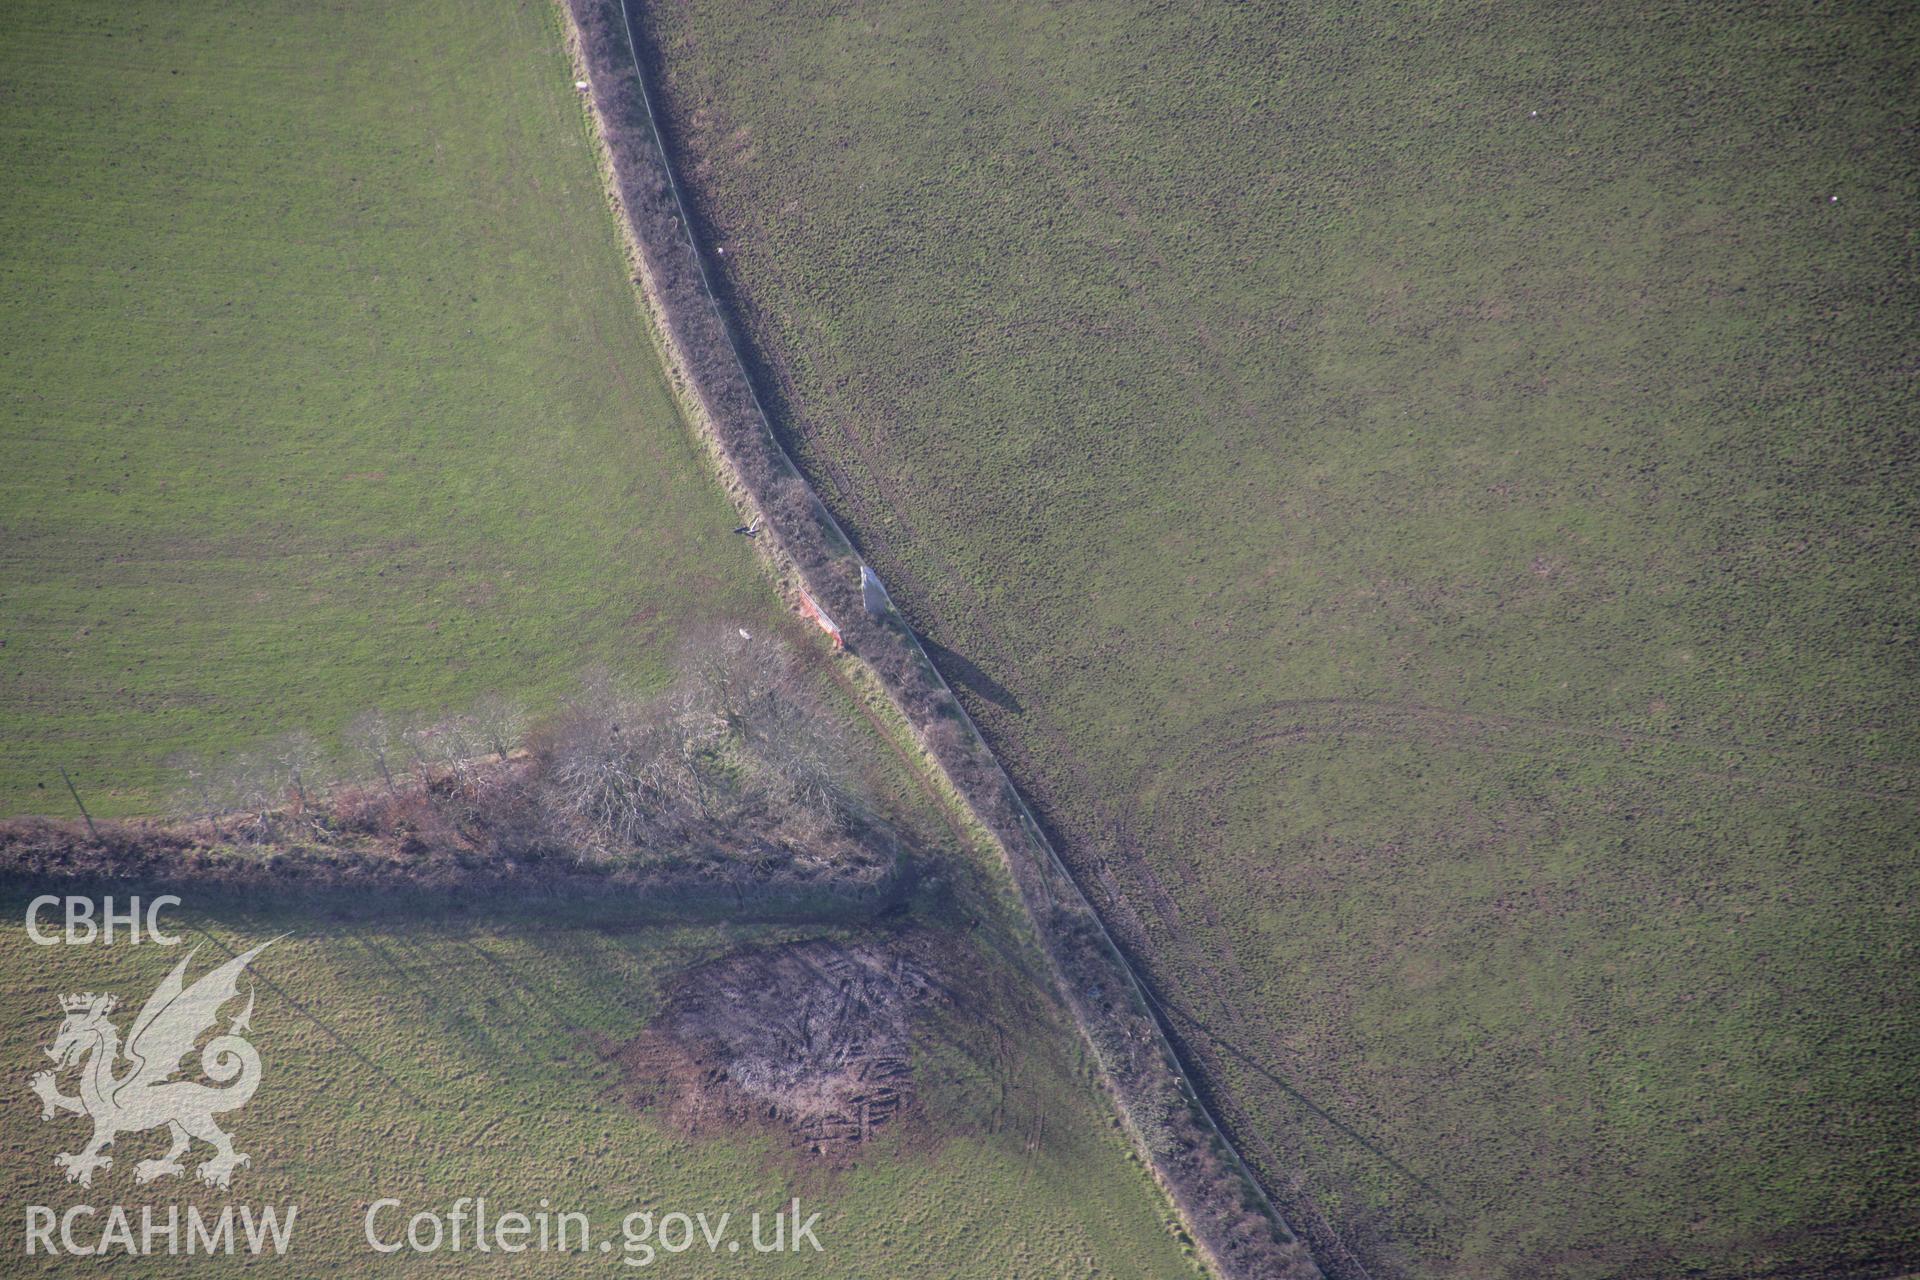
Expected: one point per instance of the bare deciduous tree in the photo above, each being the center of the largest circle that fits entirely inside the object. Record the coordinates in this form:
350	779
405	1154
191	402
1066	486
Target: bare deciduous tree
799	755
419	737
467	748
296	759
740	732
249	785
499	721
370	742
728	675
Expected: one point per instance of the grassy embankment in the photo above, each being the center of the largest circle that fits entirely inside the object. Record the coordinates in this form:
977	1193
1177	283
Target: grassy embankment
1421	501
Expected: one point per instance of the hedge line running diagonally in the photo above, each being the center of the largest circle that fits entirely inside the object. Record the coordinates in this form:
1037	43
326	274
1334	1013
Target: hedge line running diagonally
1228	1213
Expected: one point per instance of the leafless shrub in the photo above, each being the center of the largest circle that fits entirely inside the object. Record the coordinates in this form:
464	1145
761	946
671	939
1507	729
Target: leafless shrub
416	738
457	746
248	785
441	749
732	778
799	756
371	742
789	748
499	722
738	735
294	761
729	676
616	772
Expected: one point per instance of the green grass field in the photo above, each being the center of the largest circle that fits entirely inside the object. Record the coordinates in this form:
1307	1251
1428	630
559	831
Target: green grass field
1421	497
424	1059
321	387
324	388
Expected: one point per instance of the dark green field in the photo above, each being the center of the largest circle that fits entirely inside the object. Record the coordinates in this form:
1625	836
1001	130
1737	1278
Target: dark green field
1422	498
322	387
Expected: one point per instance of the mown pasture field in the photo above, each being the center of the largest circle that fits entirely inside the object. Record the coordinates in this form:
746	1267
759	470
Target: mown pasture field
323	388
1422	500
441	1054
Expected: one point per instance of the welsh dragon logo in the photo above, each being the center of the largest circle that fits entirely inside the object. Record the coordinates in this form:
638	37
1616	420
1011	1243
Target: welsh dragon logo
141	1093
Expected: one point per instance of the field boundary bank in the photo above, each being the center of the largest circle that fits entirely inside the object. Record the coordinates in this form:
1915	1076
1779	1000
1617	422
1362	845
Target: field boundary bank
38	855
1223	1207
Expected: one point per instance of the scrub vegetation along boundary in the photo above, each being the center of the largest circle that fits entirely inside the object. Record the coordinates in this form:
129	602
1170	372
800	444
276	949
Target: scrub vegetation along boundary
1230	1217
